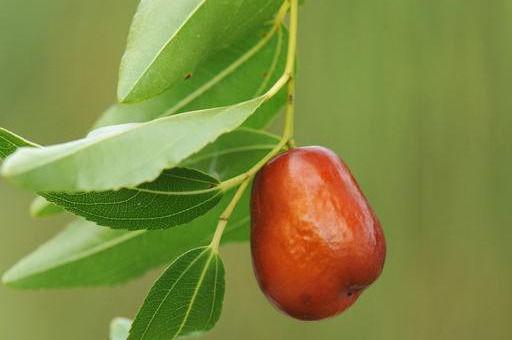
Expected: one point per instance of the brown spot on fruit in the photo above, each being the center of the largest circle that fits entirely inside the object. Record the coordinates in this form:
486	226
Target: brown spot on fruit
316	243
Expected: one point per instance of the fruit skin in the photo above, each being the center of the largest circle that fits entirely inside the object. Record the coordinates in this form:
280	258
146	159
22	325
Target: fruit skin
316	243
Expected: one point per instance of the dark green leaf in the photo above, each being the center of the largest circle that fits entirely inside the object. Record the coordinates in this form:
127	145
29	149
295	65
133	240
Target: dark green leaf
169	39
178	196
187	298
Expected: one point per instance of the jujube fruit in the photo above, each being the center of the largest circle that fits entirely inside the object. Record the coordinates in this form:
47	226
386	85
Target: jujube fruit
316	242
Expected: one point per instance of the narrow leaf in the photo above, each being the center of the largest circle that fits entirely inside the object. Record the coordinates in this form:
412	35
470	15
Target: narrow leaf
178	196
240	72
120	328
169	39
123	155
186	298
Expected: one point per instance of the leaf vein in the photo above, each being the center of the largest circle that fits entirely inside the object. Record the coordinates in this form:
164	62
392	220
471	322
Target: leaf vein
88	213
194	296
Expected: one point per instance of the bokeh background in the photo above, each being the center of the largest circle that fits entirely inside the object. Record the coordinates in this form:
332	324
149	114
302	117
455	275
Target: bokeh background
414	94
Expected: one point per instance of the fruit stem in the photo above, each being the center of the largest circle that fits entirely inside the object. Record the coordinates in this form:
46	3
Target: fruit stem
286	141
224	218
290	70
288	77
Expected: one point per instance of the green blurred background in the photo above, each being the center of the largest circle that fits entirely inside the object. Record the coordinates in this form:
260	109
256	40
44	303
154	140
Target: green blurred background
414	94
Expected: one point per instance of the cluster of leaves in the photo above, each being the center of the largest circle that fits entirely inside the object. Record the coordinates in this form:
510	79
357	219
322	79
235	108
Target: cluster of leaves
151	180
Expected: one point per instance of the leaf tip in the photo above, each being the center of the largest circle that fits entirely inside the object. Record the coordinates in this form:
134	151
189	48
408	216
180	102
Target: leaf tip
120	328
40	208
9	278
6	169
11	168
15	277
36	208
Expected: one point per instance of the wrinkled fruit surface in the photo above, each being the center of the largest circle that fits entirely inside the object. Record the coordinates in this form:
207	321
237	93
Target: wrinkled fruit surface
316	243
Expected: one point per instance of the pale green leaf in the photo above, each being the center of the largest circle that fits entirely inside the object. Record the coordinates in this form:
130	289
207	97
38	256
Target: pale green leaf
176	197
235	74
123	155
169	39
187	298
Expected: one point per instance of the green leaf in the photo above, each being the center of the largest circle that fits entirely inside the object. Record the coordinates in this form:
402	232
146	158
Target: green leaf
120	328
233	75
187	298
169	39
177	196
85	254
124	155
40	207
233	153
10	142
